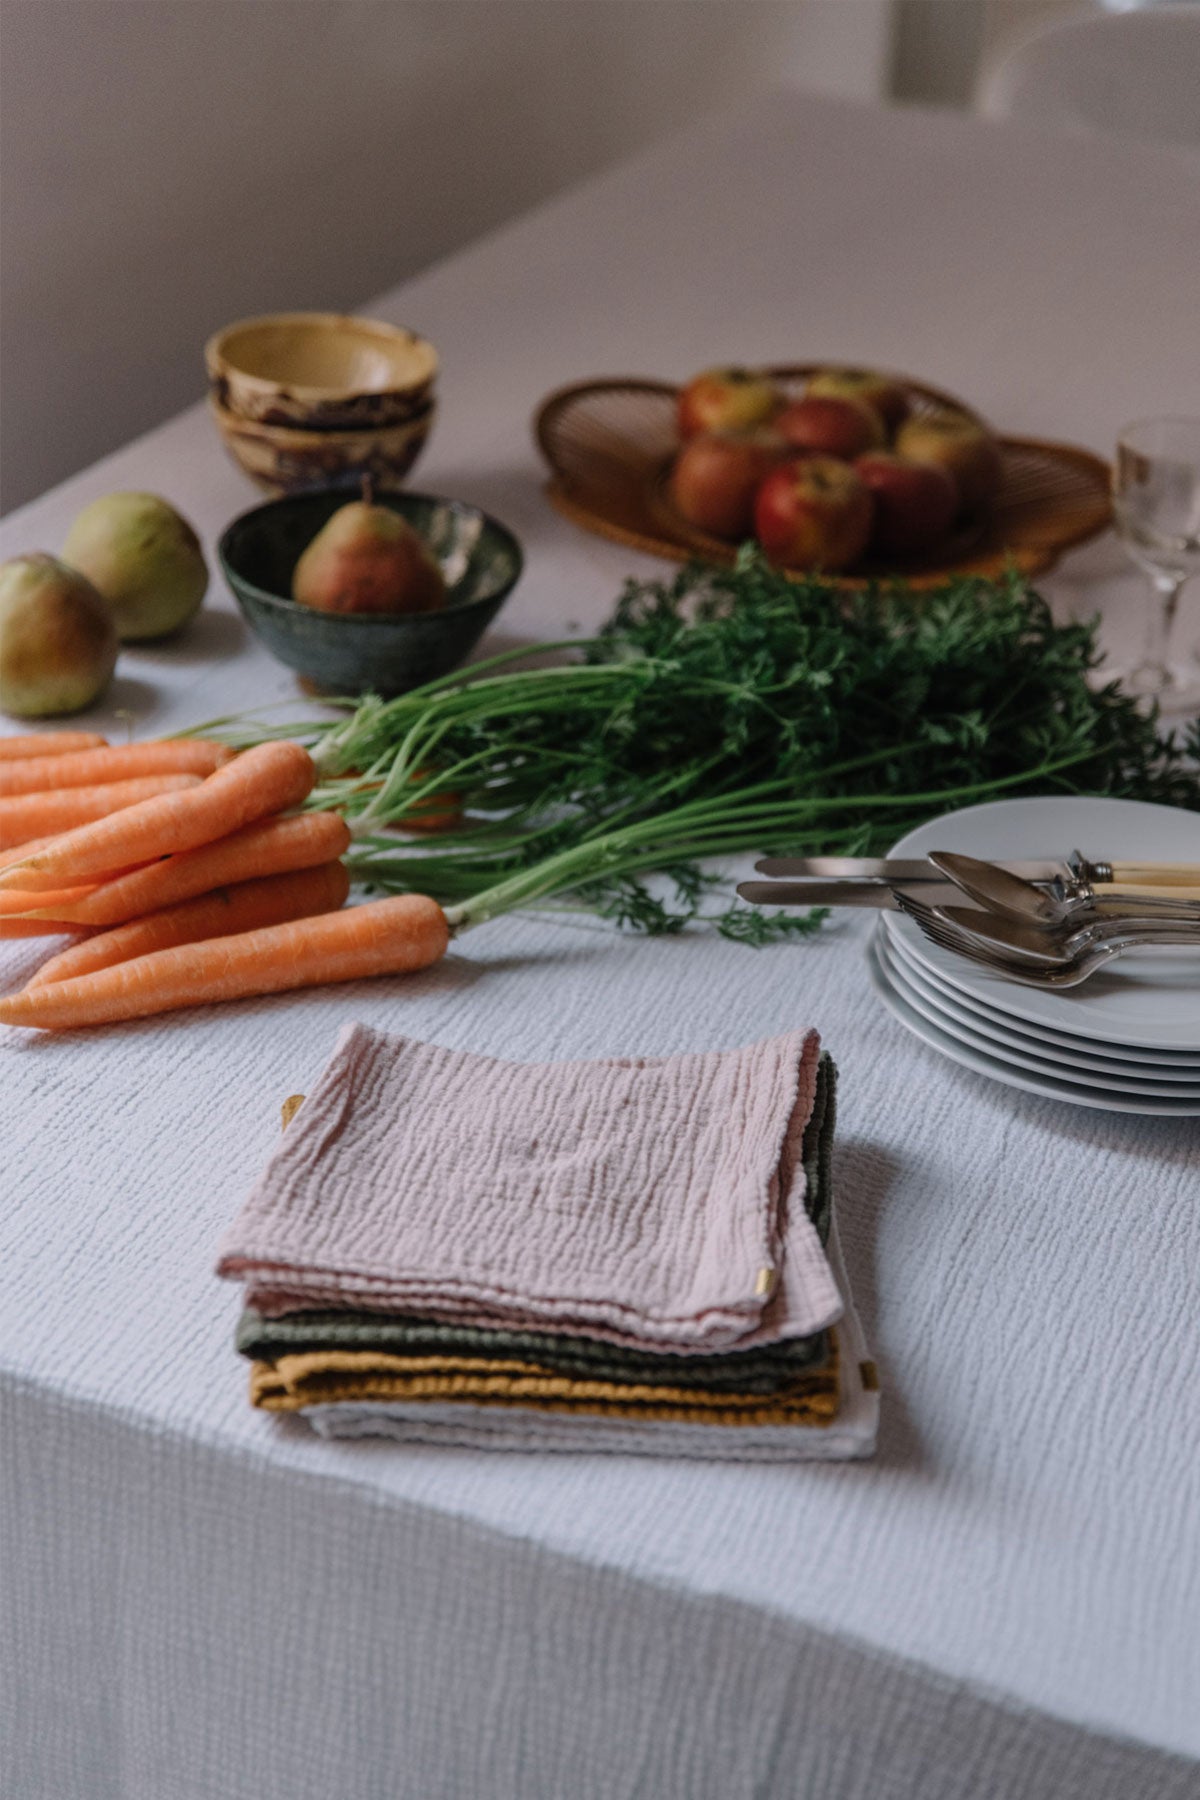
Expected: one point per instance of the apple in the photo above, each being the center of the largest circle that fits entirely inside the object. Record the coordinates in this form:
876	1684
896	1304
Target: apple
883	392
717	475
726	400
831	425
955	442
915	503
814	513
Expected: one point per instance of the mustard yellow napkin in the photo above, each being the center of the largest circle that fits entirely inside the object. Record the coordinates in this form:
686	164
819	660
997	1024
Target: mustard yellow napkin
290	1383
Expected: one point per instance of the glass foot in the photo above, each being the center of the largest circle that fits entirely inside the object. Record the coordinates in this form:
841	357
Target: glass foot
1175	686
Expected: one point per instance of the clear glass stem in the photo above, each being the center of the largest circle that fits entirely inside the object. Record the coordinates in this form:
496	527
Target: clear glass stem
1153	673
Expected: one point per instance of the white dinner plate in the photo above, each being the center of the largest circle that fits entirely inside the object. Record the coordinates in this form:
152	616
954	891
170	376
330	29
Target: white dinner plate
971	1057
1152	998
962	1026
1037	1040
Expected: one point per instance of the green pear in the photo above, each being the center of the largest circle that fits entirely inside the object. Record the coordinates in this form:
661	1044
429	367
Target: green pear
58	640
145	559
367	559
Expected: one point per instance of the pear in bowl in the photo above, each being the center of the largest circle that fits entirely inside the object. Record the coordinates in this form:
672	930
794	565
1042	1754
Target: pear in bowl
368	559
364	651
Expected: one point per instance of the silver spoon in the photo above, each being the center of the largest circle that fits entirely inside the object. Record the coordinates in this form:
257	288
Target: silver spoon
1013	898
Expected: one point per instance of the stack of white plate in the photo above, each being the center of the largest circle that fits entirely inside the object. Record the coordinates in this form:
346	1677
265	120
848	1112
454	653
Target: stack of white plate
1127	1040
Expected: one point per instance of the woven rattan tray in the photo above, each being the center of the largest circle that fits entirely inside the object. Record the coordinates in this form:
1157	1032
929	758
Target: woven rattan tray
610	443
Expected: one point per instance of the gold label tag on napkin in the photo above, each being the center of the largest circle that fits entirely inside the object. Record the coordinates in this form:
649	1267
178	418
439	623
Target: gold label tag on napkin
765	1282
289	1109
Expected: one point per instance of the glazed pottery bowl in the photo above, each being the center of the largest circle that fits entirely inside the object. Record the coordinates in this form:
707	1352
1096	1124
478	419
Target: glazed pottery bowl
378	653
320	371
282	458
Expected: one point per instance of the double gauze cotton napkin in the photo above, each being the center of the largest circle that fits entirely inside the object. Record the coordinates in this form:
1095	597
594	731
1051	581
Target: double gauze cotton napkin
291	1383
766	1370
851	1433
655	1202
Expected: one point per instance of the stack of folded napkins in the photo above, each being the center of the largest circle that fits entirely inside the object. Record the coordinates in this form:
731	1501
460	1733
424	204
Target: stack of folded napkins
626	1255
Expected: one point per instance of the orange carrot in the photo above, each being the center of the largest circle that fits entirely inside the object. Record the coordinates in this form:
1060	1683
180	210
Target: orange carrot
419	820
48	743
27	928
436	812
32	881
247	906
271	847
117	762
28	816
385	937
19	900
267	779
21	852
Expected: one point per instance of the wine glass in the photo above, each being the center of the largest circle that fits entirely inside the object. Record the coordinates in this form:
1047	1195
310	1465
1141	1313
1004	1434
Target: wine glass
1156	501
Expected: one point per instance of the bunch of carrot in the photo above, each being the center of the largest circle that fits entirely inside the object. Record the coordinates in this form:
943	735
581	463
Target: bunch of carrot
189	877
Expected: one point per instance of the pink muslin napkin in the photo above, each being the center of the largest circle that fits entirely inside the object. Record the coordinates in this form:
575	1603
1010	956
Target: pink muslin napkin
655	1202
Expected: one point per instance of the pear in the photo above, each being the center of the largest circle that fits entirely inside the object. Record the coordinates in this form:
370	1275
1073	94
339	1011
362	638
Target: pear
367	559
58	640
145	559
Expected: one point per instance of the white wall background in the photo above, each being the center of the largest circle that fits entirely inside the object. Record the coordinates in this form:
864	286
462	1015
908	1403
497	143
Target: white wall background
168	165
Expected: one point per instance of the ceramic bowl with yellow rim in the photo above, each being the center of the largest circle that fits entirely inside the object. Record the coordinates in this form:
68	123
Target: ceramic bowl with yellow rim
321	371
282	459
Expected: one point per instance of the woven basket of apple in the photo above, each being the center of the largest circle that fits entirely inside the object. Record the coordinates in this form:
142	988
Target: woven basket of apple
851	473
369	593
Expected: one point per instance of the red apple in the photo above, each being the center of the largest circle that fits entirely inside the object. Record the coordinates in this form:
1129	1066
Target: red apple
887	395
726	400
831	425
960	444
717	475
813	513
915	503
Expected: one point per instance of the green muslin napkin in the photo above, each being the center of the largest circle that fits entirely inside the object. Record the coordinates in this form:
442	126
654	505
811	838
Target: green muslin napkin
763	1371
767	1369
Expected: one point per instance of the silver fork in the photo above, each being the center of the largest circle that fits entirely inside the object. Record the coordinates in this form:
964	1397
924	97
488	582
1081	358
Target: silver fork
1082	965
1040	944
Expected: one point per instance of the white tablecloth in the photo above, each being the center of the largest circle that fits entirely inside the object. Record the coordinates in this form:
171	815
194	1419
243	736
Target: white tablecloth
201	1603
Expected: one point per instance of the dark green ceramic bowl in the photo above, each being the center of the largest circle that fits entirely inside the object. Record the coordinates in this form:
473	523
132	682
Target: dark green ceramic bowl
376	653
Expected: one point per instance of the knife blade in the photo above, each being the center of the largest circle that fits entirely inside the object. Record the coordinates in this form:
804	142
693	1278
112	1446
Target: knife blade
878	868
840	893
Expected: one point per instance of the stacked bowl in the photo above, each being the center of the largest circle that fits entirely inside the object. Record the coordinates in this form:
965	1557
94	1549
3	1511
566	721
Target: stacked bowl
1127	1039
309	399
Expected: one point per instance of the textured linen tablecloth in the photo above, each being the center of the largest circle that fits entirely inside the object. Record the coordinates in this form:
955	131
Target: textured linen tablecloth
198	1602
